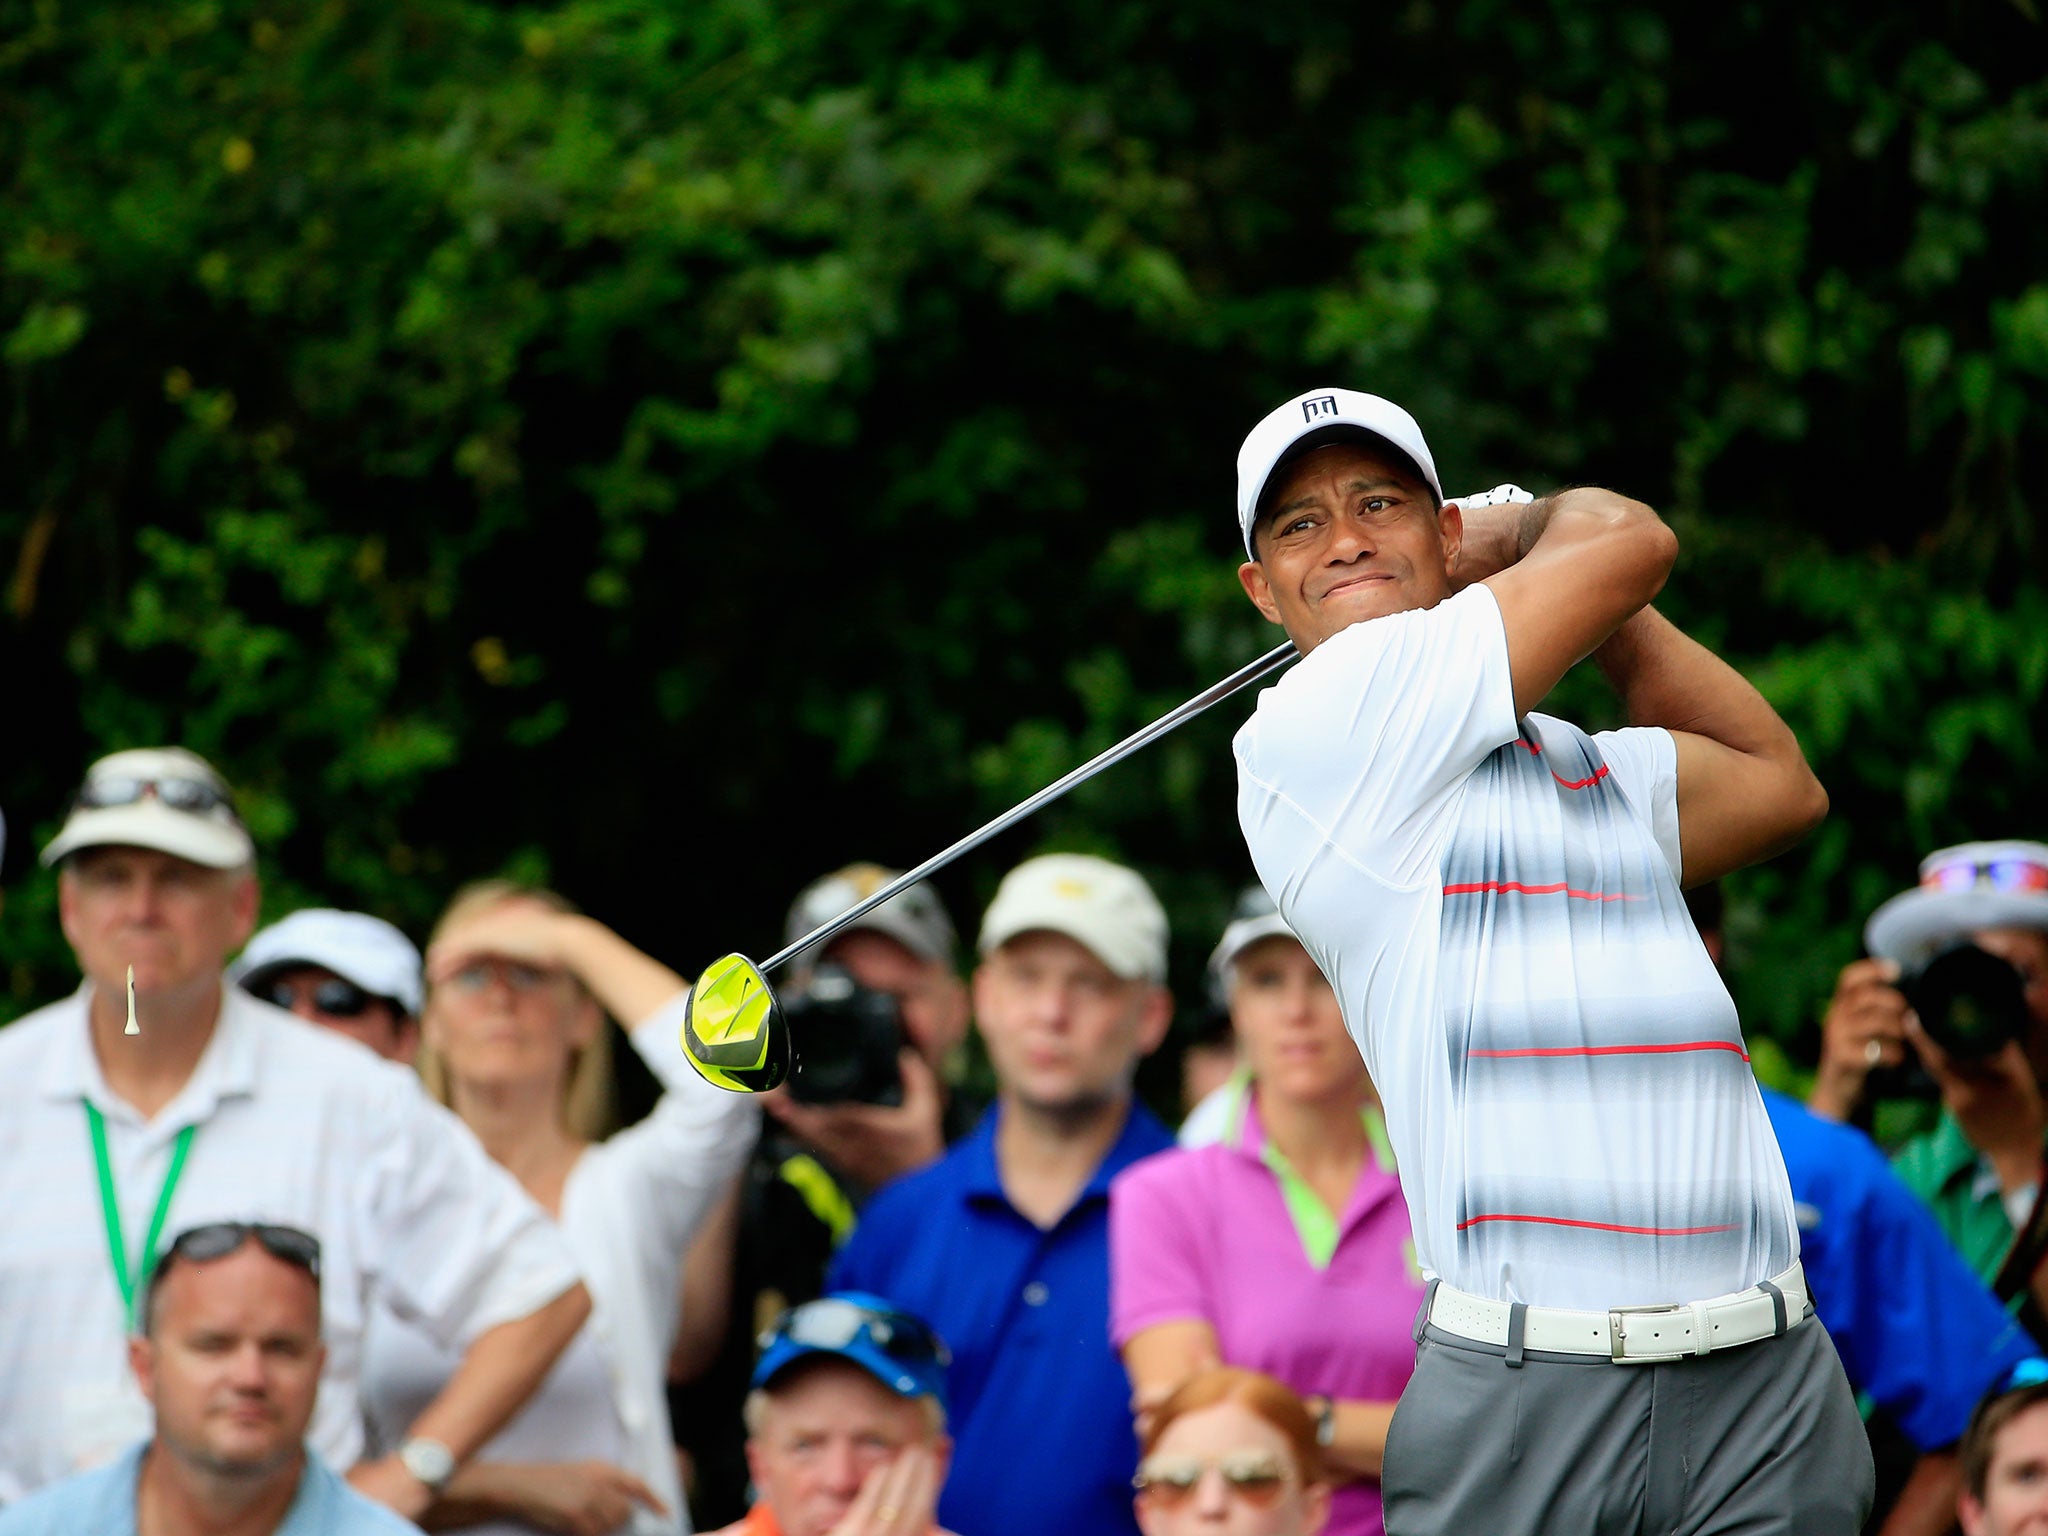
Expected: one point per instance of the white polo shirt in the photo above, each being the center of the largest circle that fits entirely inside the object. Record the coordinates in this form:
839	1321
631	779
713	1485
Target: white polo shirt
1496	903
294	1124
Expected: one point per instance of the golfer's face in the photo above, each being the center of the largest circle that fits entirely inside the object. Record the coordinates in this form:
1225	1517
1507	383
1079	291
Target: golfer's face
1350	537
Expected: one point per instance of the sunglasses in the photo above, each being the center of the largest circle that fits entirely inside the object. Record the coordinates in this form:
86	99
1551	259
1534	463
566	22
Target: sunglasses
195	797
1167	1482
218	1239
832	1322
478	975
2007	875
334	997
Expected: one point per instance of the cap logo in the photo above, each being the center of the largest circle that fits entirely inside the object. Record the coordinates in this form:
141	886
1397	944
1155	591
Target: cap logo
1073	890
1321	405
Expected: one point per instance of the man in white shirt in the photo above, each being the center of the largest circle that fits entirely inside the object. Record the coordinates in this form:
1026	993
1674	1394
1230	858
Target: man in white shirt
199	1103
1617	1336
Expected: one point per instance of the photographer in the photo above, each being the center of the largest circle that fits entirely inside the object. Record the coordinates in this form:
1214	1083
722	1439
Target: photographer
876	1012
1957	986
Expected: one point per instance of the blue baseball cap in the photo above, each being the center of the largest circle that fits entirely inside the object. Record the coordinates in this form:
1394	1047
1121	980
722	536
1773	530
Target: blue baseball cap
897	1349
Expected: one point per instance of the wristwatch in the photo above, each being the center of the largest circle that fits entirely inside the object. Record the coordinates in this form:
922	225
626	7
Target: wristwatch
1326	1422
428	1460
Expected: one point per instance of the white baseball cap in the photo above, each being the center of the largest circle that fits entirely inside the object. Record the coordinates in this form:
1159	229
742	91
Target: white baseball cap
1309	421
913	917
163	798
354	945
1255	917
1104	907
1962	889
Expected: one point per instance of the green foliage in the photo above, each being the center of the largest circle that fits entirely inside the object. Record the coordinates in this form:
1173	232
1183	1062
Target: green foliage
676	450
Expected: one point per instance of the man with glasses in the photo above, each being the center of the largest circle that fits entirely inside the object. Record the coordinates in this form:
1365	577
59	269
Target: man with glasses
350	971
846	1423
157	1097
229	1360
1979	1168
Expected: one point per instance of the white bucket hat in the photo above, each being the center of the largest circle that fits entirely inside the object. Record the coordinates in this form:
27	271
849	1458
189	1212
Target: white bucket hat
1963	889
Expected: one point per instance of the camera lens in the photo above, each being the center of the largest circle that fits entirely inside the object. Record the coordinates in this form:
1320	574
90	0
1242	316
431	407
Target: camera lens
1970	1002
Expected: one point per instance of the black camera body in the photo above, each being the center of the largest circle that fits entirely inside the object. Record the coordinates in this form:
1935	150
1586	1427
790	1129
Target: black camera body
1970	1002
847	1038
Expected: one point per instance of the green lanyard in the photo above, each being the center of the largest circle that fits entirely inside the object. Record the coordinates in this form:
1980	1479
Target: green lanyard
110	1203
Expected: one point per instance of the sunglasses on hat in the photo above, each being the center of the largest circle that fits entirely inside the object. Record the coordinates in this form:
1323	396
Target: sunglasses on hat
2008	874
1167	1482
218	1239
195	797
833	1322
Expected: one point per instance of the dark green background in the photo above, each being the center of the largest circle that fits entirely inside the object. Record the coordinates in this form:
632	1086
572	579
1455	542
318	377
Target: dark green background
672	450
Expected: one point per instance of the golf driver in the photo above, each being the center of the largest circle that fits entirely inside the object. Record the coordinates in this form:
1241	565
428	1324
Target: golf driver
734	1031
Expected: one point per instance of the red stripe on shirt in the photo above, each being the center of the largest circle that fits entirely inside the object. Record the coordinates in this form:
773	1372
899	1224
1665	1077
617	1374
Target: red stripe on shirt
1596	1226
1621	1050
1537	746
1516	887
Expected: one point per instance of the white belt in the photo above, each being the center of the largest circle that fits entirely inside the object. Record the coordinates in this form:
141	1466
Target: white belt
1628	1335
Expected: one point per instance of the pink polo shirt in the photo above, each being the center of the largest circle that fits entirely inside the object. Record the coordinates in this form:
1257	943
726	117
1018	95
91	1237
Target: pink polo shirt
1206	1234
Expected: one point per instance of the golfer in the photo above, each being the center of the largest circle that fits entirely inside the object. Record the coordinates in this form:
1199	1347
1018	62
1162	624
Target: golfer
1617	1336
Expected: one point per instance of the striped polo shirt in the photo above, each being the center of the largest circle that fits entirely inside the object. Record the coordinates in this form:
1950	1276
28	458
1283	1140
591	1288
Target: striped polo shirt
1496	903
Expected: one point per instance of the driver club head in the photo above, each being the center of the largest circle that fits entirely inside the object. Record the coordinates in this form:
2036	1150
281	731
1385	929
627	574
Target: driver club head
733	1029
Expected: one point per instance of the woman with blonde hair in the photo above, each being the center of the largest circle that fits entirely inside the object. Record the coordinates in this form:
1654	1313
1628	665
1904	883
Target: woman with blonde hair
515	1041
1231	1452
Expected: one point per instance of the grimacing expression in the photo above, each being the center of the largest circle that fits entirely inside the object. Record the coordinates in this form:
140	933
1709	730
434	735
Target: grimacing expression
1064	1032
2015	1501
232	1361
175	921
1287	1019
1352	534
828	1425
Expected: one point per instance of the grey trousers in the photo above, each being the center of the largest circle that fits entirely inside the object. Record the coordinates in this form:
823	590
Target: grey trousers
1759	1440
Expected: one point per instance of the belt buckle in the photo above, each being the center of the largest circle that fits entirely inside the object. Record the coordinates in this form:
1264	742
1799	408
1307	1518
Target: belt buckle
1617	1333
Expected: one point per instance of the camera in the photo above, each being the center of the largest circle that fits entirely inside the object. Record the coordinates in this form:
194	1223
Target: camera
846	1038
1970	1002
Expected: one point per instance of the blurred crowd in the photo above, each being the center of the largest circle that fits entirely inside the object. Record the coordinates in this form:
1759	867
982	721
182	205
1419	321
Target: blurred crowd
312	1229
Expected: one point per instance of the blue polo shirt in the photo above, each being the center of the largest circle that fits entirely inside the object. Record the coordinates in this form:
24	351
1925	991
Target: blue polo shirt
102	1502
1041	1408
1918	1332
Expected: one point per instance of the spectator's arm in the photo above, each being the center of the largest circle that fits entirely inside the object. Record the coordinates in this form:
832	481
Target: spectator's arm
584	1498
1745	791
1160	1358
706	1299
1926	1506
629	985
499	1371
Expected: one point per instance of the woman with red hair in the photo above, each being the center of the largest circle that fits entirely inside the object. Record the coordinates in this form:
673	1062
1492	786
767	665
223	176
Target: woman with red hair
1231	1452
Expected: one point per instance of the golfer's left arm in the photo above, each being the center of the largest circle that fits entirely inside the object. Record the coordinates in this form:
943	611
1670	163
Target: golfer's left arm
1745	791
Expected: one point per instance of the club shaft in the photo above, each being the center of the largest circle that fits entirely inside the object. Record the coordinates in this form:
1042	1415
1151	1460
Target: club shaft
1242	678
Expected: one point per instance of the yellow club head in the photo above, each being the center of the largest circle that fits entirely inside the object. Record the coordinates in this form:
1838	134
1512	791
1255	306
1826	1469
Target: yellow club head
733	1029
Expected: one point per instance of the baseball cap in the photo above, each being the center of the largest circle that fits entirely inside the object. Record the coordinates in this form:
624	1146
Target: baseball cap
163	798
1962	889
896	1348
913	917
1105	907
354	945
1255	917
1310	420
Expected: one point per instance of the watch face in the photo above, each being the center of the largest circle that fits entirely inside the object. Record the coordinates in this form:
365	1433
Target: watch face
429	1461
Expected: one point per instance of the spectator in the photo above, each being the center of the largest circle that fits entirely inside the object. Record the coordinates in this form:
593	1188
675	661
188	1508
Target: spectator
229	1361
348	970
846	1423
1003	1245
2005	1459
219	1105
766	1247
1920	1336
515	1025
1225	1445
1285	1247
1980	1167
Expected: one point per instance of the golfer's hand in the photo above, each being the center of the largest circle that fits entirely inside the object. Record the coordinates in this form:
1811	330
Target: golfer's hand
385	1481
899	1498
1865	1028
873	1143
575	1498
1996	1101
